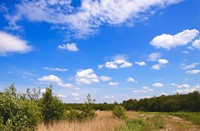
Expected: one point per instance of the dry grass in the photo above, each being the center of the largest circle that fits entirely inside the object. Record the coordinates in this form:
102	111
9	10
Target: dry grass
103	122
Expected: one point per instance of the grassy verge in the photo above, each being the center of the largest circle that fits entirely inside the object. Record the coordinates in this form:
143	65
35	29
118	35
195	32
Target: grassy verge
193	117
151	123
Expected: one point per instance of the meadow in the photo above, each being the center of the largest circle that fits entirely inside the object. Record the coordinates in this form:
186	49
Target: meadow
32	111
137	121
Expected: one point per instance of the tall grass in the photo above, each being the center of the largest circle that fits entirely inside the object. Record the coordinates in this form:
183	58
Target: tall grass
133	125
150	123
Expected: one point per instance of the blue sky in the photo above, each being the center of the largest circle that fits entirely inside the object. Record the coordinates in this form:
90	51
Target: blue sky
114	50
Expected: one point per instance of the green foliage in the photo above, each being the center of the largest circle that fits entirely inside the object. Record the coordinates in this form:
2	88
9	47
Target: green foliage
17	112
52	107
73	115
119	112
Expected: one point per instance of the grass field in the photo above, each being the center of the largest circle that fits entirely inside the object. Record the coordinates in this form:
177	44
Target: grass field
137	121
103	122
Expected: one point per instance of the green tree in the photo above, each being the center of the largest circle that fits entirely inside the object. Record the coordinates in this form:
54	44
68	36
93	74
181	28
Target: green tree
119	112
52	107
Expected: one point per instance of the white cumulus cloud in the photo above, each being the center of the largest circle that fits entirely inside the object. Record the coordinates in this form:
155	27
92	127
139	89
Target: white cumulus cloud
154	56
185	91
168	41
105	78
75	94
196	44
156	67
141	63
193	72
181	86
12	44
113	83
86	76
163	61
157	85
130	79
191	66
69	47
117	63
56	80
50	78
143	90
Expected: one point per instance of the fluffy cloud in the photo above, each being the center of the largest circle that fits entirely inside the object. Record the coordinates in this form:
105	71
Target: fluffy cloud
142	63
193	72
55	79
43	90
196	44
154	56
185	91
109	97
181	86
86	77
191	66
50	78
55	69
163	61
105	78
143	90
188	88
69	47
61	96
12	44
156	67
75	94
157	85
117	63
130	79
113	83
91	14
168	41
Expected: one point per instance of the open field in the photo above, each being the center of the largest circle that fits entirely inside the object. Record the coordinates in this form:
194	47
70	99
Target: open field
136	121
103	122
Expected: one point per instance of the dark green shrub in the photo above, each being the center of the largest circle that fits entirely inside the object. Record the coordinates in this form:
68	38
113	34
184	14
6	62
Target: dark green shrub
87	111
73	115
52	107
119	112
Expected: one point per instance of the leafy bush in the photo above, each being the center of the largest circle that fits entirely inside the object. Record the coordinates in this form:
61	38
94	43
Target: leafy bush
73	115
18	113
119	112
85	113
52	107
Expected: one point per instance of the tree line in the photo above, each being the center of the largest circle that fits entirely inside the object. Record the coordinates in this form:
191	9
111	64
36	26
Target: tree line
172	103
178	102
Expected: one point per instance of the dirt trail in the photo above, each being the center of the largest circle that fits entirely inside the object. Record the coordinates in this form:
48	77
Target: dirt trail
174	123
